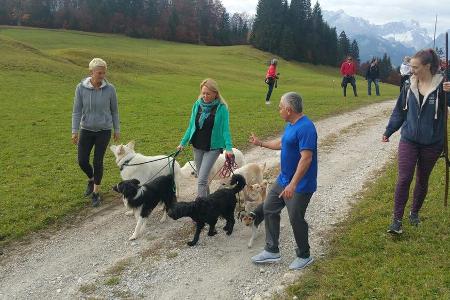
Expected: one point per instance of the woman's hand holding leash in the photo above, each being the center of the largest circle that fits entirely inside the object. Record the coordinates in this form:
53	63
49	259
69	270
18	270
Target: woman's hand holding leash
446	86
385	139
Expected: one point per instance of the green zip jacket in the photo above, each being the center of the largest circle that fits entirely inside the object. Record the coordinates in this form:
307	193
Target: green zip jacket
220	137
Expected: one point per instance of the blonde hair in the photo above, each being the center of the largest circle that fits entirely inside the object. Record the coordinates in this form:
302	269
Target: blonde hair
97	62
212	85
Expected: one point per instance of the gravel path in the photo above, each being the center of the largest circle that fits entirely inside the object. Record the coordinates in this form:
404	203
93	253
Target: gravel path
95	259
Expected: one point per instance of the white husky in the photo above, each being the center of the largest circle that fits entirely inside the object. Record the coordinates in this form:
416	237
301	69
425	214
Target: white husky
127	158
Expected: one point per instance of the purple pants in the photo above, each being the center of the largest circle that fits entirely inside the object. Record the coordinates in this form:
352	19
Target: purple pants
410	157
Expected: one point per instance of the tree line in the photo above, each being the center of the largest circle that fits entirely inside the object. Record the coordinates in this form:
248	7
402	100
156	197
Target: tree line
293	31
191	21
297	31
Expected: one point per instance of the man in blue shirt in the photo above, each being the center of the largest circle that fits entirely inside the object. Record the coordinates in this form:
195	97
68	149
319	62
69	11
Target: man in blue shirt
295	184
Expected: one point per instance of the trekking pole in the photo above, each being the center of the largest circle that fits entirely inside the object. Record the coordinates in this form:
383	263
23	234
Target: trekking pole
445	125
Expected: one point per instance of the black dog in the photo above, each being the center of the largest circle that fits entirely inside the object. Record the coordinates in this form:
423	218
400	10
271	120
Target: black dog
203	210
143	199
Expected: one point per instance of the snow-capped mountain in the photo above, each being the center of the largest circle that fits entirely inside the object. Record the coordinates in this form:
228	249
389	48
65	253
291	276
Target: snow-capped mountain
397	39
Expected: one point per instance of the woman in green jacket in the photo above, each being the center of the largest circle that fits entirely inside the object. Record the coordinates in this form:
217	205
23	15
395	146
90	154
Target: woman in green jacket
208	132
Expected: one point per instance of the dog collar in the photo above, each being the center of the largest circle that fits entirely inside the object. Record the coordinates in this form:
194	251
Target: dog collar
125	163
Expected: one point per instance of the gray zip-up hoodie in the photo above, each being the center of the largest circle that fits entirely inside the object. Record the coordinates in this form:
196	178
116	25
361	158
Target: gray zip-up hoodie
93	109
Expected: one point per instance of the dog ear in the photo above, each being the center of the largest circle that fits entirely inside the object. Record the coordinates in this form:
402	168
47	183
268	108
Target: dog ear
121	150
135	181
131	145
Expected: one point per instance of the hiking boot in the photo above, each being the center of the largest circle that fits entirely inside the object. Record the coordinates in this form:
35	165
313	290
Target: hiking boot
96	199
396	227
89	188
266	257
300	263
414	218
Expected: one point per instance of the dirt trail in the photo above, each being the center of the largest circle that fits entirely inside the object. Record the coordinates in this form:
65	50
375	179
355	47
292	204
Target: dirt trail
95	258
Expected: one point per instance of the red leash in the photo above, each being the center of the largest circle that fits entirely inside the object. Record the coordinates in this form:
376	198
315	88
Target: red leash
229	166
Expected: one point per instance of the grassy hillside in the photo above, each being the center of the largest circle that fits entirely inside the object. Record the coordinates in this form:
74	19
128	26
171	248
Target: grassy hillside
156	82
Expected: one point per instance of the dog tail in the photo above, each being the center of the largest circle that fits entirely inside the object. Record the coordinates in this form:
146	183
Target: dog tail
239	181
170	198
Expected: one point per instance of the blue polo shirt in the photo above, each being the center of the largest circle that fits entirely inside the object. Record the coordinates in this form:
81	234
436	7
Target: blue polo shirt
298	137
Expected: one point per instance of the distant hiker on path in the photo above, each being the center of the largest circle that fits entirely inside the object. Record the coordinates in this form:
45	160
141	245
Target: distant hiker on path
271	77
373	75
405	71
95	113
348	71
419	113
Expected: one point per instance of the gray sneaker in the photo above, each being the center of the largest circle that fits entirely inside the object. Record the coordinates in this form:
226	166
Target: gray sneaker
396	227
300	263
266	257
414	218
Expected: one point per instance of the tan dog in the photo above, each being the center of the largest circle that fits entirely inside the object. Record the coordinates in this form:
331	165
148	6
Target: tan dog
256	194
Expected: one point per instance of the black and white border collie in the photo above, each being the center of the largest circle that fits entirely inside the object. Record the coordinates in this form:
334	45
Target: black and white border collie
143	199
207	210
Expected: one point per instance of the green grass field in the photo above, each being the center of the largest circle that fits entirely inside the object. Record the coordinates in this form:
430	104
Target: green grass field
156	81
365	262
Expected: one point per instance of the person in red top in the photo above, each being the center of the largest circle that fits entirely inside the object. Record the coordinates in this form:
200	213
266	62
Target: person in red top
348	71
271	77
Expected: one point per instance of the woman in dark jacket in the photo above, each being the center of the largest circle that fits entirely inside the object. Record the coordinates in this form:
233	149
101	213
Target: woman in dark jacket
373	75
419	113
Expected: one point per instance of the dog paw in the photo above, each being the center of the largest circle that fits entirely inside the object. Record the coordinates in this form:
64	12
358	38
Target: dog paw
129	213
132	238
212	233
249	245
229	232
191	243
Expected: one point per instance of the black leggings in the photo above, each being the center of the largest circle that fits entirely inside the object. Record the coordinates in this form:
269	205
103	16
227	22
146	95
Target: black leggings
269	92
346	80
86	141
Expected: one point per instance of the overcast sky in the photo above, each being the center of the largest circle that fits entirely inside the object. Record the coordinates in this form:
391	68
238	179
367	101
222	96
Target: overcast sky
377	12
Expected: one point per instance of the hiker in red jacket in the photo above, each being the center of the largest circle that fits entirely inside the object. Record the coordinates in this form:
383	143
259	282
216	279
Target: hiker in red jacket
271	77
348	71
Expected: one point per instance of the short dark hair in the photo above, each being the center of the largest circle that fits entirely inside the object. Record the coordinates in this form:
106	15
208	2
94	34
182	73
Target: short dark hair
428	56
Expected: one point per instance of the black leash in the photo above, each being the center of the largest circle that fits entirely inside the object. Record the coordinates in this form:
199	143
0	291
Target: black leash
172	155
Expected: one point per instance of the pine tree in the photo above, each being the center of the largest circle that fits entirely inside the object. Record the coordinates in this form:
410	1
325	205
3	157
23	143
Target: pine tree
268	25
343	46
354	51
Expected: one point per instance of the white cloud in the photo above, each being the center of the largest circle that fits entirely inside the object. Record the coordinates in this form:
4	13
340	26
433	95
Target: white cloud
377	12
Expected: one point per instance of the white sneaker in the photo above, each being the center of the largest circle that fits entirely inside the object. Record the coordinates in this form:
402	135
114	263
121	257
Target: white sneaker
266	257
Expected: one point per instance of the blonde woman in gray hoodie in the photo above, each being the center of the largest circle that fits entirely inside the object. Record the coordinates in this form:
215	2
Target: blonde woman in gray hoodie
95	114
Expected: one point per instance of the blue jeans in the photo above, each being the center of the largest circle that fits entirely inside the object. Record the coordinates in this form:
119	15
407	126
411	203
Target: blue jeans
369	86
204	161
